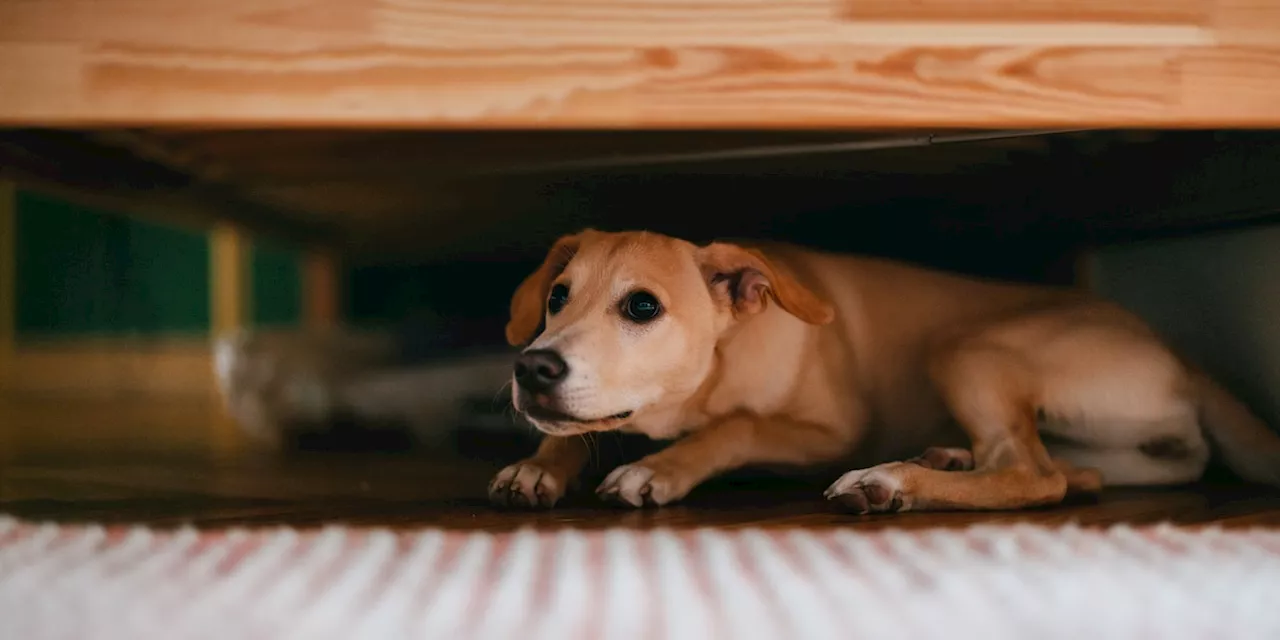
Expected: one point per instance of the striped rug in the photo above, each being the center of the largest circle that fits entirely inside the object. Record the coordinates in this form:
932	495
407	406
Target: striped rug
1161	583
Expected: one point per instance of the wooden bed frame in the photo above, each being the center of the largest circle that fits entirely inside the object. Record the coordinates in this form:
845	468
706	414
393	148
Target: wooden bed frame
640	63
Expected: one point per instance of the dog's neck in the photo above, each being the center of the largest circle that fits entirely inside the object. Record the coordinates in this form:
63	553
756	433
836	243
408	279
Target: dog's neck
676	414
730	383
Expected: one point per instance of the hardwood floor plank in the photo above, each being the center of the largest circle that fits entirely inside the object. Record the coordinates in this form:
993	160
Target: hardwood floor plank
409	491
145	461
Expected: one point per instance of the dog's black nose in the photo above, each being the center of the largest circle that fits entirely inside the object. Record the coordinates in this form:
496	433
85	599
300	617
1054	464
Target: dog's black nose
540	370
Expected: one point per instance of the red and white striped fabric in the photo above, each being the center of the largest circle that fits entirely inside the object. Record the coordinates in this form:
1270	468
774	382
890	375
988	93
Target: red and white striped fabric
987	582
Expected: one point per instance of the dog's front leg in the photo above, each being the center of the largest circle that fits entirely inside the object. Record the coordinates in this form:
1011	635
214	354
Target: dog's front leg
542	479
725	444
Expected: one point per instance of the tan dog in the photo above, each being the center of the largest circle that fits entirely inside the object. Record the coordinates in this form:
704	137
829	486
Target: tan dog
780	356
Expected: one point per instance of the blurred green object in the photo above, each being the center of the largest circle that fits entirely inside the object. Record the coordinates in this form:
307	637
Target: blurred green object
84	271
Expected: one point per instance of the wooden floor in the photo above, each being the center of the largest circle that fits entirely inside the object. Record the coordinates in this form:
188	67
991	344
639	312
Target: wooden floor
405	491
169	464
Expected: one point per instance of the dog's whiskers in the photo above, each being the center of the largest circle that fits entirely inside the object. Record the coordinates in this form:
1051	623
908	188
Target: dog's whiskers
593	452
498	395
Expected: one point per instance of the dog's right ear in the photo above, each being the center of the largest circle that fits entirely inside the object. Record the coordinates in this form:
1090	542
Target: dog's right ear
746	279
530	299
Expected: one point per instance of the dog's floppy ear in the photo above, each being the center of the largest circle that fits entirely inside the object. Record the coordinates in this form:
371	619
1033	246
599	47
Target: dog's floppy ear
746	279
530	298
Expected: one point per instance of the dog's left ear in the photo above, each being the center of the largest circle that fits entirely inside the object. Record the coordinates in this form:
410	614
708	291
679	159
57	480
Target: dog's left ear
747	279
530	299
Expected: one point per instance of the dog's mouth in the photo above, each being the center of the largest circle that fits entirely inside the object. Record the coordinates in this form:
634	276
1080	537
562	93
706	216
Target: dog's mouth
543	414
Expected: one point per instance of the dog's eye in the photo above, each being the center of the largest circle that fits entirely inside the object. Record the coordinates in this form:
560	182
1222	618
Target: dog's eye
558	298
642	306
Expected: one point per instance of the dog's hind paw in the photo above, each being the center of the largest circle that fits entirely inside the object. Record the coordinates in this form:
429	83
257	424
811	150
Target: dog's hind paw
874	490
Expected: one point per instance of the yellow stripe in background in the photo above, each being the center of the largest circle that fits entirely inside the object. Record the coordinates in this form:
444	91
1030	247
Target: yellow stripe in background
229	286
230	302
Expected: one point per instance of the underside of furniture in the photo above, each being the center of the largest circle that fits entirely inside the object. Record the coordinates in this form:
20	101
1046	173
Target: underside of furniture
443	129
445	196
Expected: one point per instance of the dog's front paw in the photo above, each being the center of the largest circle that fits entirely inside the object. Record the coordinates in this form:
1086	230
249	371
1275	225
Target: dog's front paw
875	490
643	484
528	485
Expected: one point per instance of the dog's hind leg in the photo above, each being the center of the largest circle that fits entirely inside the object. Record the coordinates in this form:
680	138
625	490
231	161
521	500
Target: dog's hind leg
1115	404
1139	466
992	393
1083	479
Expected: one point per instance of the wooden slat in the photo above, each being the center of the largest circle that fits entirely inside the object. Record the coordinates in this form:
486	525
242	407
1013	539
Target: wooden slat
1248	22
638	63
1232	83
1144	12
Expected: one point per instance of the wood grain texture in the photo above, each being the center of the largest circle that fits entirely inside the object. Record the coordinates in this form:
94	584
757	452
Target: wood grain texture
1247	22
1184	12
639	63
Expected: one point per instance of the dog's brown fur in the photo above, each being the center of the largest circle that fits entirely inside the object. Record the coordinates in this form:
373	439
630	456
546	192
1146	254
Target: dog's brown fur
778	355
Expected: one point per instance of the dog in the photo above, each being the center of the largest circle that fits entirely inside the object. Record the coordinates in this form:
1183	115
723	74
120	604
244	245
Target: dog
944	392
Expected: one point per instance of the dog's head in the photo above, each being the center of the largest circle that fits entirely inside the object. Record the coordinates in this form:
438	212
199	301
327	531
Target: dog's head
631	322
